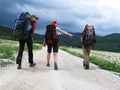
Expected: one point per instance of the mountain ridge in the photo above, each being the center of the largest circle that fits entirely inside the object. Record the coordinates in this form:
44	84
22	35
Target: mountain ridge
109	42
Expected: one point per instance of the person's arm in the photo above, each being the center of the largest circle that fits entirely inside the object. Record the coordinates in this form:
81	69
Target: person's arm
94	34
33	27
81	39
64	32
44	43
83	36
94	37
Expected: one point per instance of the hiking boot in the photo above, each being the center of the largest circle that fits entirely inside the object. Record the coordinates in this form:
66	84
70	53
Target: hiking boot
32	64
48	65
83	64
55	66
19	66
86	67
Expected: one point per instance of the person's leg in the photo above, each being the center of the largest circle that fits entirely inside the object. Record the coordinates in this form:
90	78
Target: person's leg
86	57
55	61
55	55
48	59
30	52
20	53
49	47
88	53
89	49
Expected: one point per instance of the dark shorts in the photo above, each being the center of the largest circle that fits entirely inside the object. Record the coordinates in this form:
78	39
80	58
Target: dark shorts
50	47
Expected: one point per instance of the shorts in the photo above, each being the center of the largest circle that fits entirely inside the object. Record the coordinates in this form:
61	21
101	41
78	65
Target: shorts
55	48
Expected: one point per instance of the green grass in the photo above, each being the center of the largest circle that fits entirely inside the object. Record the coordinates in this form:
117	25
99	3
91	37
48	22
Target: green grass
3	63
72	52
112	66
8	48
104	64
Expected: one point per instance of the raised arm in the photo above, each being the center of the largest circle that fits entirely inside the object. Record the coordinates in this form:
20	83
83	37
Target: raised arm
64	32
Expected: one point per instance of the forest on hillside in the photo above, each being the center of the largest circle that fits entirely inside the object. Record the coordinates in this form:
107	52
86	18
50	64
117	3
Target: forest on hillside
104	43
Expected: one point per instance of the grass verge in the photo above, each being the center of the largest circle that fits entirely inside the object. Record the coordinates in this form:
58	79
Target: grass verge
8	48
4	63
107	65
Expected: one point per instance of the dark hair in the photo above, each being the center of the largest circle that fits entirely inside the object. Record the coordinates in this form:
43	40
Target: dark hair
35	17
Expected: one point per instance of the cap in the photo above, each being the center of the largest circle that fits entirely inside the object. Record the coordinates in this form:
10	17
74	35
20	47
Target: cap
35	16
86	25
53	22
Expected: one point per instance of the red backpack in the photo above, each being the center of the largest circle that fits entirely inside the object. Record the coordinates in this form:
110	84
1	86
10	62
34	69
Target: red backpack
50	35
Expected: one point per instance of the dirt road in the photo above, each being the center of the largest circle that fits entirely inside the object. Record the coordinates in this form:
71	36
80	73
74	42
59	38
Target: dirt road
70	75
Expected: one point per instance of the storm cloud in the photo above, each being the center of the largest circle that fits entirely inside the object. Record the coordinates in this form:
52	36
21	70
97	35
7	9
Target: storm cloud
71	15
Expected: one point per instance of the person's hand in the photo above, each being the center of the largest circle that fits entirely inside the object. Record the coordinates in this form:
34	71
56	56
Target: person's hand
94	41
71	35
81	40
44	44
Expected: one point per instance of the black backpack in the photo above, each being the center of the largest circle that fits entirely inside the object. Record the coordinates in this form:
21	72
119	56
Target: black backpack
22	26
50	36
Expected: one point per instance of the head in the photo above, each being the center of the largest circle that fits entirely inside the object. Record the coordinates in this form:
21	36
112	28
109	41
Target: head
86	25
34	18
53	22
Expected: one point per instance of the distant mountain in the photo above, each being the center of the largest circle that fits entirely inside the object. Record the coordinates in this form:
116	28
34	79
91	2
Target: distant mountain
64	39
70	41
106	43
5	32
38	36
112	38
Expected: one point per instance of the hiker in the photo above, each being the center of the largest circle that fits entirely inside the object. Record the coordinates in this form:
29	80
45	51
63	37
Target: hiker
29	43
51	39
88	38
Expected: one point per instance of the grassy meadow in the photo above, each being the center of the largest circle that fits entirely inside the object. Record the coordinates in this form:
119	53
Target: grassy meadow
8	48
105	60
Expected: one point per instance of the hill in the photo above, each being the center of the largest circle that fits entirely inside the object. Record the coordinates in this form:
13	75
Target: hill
5	32
114	38
66	40
105	43
108	43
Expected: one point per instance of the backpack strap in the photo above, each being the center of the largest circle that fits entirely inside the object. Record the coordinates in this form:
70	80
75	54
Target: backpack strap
84	33
33	24
94	35
54	33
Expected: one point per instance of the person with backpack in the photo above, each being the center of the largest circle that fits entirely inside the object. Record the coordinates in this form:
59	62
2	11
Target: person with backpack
88	38
25	36
51	39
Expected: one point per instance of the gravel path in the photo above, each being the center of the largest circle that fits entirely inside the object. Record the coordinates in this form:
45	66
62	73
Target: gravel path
70	75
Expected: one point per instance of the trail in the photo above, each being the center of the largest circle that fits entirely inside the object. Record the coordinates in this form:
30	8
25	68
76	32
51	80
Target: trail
70	75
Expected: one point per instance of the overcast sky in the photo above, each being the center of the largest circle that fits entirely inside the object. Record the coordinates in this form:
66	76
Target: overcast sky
71	15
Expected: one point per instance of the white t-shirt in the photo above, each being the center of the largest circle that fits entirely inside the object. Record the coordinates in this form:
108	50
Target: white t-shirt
57	28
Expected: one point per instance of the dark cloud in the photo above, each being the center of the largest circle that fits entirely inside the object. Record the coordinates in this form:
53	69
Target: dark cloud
71	15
